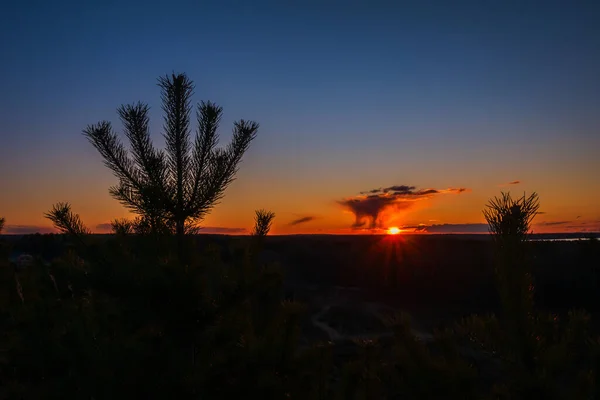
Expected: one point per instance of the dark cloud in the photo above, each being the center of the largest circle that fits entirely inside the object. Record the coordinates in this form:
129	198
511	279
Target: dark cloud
368	207
399	189
514	183
585	227
449	228
106	227
405	190
302	220
551	223
428	191
222	231
27	229
371	191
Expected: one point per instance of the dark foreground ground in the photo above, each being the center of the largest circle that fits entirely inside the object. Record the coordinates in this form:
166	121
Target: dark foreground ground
351	283
436	279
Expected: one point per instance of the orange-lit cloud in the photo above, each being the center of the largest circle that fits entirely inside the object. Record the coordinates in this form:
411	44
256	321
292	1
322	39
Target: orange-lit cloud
369	205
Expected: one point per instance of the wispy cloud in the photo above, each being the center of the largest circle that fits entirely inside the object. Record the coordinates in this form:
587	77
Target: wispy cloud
368	206
550	226
576	225
448	228
516	182
552	223
222	230
302	220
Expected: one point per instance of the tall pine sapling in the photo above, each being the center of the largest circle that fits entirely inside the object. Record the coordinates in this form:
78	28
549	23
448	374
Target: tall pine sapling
177	186
509	221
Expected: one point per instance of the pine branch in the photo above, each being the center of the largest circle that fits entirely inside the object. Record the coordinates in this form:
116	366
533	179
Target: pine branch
66	221
128	197
113	152
209	117
223	166
150	162
212	189
191	228
243	133
176	96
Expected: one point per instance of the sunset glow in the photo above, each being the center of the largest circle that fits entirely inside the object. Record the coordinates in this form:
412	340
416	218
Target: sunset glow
394	230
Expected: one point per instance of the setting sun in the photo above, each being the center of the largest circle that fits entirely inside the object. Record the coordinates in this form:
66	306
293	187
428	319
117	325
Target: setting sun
394	230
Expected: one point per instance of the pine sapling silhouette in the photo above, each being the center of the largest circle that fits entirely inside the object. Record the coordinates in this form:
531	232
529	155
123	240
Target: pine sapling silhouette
2	220
541	355
66	221
263	221
509	222
122	226
178	186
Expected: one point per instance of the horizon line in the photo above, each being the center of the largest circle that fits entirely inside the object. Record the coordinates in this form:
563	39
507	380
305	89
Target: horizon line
326	234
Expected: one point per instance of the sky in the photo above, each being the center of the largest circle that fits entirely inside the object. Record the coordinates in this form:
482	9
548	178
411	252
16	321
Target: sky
372	114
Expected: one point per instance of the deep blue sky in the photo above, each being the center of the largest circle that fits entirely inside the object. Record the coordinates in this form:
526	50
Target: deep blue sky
350	96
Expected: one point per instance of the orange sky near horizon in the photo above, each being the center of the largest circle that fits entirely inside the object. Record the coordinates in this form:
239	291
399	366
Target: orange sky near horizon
322	213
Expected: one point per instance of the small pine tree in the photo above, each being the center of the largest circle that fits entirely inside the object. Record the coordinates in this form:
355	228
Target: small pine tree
174	188
539	355
509	221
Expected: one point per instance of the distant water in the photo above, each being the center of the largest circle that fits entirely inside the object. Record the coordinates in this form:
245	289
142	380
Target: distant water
536	237
560	240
